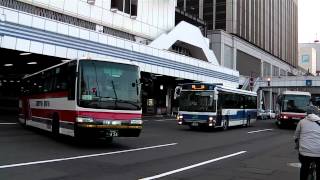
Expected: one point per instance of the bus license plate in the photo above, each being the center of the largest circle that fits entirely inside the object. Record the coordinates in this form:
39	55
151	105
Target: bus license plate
194	124
112	133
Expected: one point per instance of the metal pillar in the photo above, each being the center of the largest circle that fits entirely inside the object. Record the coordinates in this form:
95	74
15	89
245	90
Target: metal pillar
270	99
200	9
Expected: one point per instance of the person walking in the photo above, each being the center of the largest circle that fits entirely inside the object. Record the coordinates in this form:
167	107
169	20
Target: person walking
307	137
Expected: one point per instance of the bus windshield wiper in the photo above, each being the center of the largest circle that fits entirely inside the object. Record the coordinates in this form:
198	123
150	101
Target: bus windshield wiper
106	97
128	102
114	90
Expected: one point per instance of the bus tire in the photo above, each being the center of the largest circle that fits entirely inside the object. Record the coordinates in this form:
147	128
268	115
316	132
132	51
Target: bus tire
225	124
280	124
23	123
55	125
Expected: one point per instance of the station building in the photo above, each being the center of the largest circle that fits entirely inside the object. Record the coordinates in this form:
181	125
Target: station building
35	34
257	38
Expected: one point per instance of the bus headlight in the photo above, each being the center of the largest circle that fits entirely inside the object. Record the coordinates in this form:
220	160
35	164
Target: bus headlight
179	117
84	119
116	122
210	118
136	121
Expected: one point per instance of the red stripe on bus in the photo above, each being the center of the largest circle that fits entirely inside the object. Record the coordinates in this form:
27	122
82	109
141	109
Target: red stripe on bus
64	115
109	115
294	115
69	115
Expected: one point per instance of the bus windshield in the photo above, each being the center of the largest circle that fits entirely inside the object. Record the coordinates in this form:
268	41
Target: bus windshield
197	101
295	103
106	85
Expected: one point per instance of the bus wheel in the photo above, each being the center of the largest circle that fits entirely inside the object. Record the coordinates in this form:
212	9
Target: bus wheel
23	122
225	124
280	124
55	125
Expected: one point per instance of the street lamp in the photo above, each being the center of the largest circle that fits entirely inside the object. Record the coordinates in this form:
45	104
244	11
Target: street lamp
269	79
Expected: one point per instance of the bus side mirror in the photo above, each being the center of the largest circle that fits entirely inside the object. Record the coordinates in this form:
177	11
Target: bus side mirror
177	92
215	96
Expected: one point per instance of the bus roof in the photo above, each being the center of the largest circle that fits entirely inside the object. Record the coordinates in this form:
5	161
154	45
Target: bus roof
82	59
218	86
43	70
301	93
238	91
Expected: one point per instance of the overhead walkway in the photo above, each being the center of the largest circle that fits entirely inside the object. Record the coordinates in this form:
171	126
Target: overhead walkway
287	82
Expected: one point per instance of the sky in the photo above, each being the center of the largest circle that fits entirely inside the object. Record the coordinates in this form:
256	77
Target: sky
309	20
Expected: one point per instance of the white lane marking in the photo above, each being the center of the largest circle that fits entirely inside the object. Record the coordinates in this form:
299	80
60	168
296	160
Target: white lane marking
262	130
84	156
7	123
296	165
192	166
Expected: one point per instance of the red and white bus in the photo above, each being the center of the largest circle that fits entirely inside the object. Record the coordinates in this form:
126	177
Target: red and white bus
84	97
292	107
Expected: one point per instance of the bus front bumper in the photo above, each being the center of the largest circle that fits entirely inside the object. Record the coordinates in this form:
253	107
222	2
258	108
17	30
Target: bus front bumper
96	130
198	123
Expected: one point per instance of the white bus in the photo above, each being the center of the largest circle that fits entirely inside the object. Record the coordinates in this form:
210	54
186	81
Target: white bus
212	105
84	97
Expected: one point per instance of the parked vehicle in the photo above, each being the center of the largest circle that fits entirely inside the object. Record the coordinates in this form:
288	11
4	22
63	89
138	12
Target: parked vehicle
262	114
271	114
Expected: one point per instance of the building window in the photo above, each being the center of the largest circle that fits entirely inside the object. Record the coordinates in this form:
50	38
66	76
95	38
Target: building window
266	69
275	71
20	6
228	57
126	6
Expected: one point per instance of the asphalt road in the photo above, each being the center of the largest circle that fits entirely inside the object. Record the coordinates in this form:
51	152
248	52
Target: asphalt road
164	150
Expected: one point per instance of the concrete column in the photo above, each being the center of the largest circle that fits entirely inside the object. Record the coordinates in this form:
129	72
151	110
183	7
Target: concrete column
270	99
214	14
200	9
168	100
185	5
234	58
222	52
260	99
235	18
261	69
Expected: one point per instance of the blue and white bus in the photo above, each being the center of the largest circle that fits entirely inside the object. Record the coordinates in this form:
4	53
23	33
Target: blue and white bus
213	105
